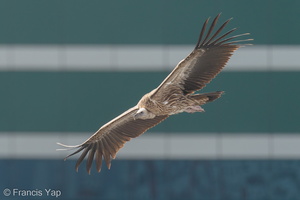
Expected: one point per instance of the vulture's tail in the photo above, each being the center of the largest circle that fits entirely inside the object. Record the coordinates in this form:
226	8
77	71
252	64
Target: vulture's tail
211	96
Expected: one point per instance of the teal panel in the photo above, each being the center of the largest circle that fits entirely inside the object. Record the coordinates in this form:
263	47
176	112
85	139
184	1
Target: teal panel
156	179
142	22
31	21
83	101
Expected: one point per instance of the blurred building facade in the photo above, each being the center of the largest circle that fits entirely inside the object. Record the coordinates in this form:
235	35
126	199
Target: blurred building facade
67	67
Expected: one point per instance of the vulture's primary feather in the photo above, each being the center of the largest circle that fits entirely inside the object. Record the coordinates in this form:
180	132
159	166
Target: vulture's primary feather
174	95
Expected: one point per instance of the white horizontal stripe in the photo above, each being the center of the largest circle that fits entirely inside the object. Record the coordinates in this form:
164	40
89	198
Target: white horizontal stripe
138	57
160	146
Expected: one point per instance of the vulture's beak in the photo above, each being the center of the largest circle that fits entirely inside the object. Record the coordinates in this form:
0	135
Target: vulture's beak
135	116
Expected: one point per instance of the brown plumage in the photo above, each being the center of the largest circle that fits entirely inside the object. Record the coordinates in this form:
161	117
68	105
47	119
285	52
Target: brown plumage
174	95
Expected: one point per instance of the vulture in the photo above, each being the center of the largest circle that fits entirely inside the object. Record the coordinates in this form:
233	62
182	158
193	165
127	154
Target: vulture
176	94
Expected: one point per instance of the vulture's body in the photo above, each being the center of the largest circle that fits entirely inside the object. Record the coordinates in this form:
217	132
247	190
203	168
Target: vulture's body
174	95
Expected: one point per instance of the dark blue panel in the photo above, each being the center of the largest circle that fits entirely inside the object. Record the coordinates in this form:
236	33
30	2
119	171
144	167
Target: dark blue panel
158	179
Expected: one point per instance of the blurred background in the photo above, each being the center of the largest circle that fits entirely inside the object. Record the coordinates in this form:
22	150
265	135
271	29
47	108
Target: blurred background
67	67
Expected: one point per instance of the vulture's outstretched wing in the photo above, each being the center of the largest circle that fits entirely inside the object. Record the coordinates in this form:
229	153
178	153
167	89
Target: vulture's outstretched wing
210	55
111	137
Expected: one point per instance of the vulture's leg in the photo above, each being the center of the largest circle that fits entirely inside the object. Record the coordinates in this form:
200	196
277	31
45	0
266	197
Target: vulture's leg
192	109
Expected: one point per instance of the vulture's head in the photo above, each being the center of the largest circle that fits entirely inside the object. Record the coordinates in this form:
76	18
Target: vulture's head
143	113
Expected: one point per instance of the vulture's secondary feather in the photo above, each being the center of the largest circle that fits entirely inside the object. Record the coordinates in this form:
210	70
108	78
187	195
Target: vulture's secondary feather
174	95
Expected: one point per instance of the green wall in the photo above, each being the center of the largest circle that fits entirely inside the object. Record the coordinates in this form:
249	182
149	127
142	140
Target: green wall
262	101
83	101
142	22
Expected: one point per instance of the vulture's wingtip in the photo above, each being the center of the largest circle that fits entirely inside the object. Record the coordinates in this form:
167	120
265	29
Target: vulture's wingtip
67	147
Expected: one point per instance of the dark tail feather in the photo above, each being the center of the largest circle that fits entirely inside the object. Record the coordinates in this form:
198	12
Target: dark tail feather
211	96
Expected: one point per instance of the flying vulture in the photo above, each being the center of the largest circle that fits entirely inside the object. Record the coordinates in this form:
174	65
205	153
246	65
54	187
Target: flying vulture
174	95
